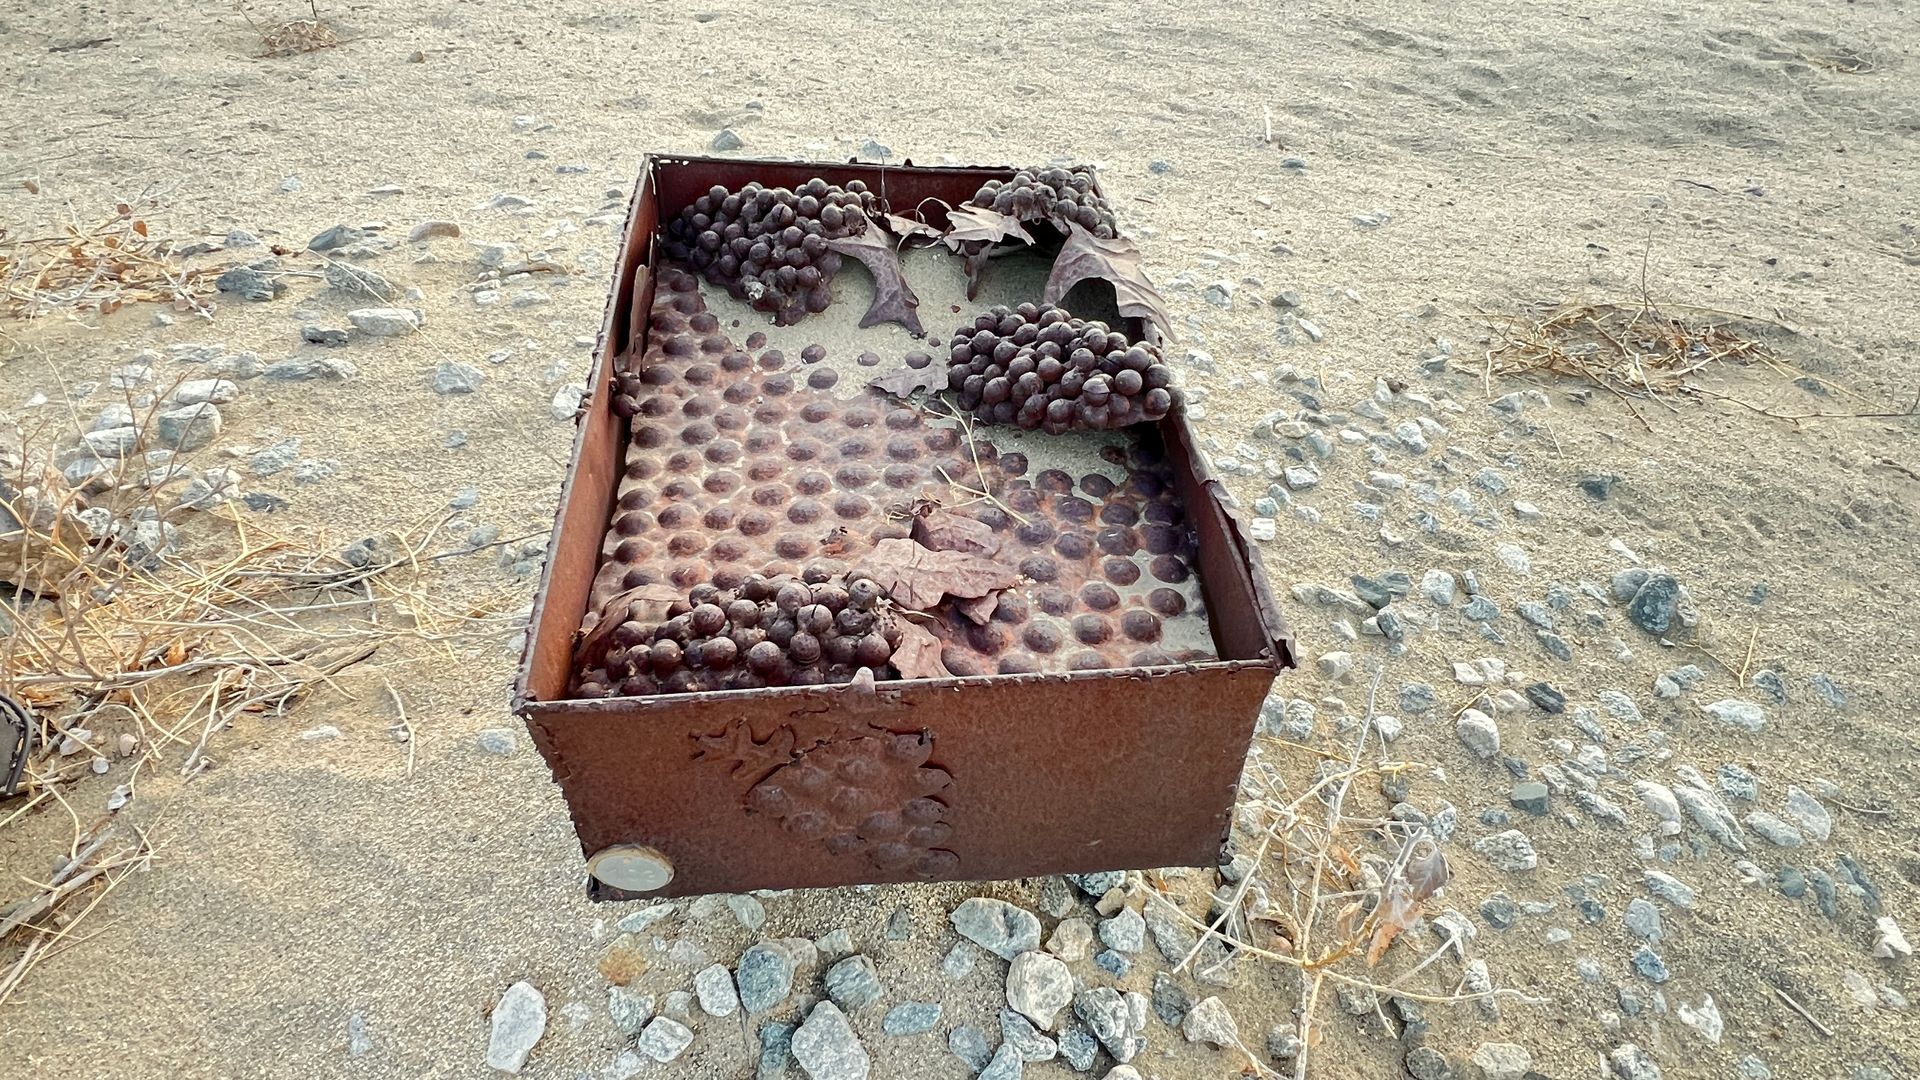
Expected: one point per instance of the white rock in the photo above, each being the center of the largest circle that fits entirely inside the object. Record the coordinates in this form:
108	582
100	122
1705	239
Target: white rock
518	1022
1038	987
714	985
664	1039
1891	943
1210	1022
386	321
1480	734
1705	1020
1741	714
1503	1061
1808	811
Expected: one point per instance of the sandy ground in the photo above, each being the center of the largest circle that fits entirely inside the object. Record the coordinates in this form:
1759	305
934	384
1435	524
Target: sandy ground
1450	160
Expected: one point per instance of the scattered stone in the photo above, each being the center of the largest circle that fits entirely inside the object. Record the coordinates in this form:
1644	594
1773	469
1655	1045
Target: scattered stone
1810	813
434	229
854	983
997	926
496	741
338	236
330	336
714	985
726	140
1632	1063
629	1009
249	283
959	961
1426	1063
453	377
358	281
1711	815
1039	986
1078	1046
1531	796
665	1039
1171	1001
765	976
969	1044
1005	1064
1889	943
900	924
304	369
1773	830
386	321
1502	1061
518	1022
205	392
1655	604
1500	911
1705	1019
1210	1022
1643	919
1026	1040
1098	884
1071	939
111	444
825	1046
911	1018
1125	932
187	429
1649	965
1173	938
1511	850
1479	733
1741	714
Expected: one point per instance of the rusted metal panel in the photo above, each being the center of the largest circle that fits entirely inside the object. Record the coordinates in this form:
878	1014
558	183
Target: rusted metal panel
977	777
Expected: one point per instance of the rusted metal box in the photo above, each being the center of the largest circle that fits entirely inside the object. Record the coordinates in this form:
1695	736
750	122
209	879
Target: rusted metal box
1036	773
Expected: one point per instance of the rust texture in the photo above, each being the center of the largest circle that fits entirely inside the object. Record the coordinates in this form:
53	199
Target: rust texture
1027	762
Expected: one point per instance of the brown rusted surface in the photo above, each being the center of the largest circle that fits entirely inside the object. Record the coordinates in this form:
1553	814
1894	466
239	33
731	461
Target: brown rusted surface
978	776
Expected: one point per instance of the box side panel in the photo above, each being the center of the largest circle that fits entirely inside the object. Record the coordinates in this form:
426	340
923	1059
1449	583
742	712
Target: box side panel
1032	775
586	495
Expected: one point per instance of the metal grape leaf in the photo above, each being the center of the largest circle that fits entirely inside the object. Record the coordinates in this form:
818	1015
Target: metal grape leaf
942	529
917	577
643	603
917	656
906	381
909	229
893	299
968	223
1115	261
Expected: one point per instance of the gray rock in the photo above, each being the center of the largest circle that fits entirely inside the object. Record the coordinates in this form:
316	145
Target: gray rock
496	741
1531	797
1479	733
911	1018
1078	1047
630	1010
714	985
1174	939
997	926
1039	986
900	924
1632	1063
248	283
306	369
969	1044
205	391
854	983
386	321
1736	782
664	1039
517	1023
1511	850
1500	911
1481	609
1426	1063
453	377
776	1050
826	1047
338	236
1099	884
358	281
726	140
1656	603
1502	1061
331	336
111	444
1438	586
1105	1013
1649	965
1741	714
1125	932
275	458
1070	939
1416	697
959	961
1026	1040
1210	1022
750	913
1711	815
1669	888
1643	919
1773	830
188	428
1005	1064
765	975
1170	1000
1810	813
359	1040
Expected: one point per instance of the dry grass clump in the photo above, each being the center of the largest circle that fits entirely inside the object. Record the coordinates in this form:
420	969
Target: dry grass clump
97	266
296	36
138	627
1331	891
1632	349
